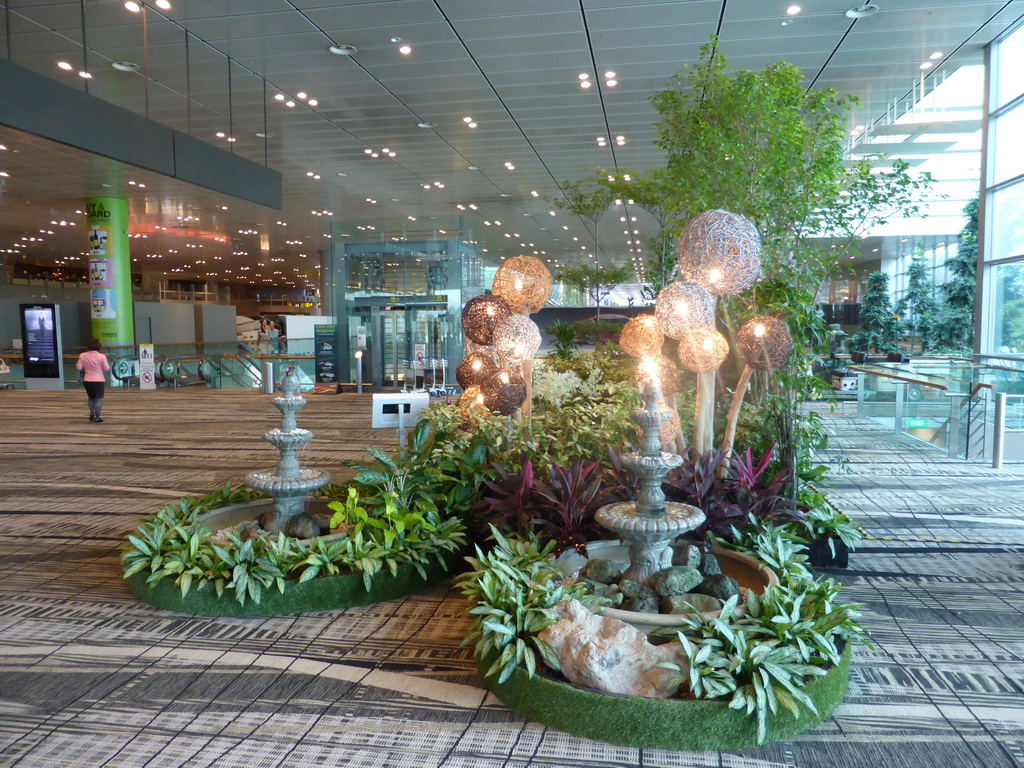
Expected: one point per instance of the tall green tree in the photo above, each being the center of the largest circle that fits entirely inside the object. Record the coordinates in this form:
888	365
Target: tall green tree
879	327
763	145
917	307
593	281
953	329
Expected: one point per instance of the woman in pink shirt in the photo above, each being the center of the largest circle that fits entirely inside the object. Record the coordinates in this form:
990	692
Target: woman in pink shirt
93	363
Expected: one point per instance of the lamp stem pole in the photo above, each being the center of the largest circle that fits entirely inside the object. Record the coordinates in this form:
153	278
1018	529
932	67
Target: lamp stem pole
734	417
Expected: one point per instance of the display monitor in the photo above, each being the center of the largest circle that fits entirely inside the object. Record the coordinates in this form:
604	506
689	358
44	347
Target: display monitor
40	335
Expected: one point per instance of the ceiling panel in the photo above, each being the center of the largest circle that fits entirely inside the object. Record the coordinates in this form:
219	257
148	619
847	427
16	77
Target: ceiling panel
512	66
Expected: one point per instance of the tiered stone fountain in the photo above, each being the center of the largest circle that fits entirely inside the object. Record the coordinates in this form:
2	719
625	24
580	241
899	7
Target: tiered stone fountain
289	483
649	524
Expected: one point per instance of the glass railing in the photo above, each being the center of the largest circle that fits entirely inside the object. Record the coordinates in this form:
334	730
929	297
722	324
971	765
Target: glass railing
214	365
950	404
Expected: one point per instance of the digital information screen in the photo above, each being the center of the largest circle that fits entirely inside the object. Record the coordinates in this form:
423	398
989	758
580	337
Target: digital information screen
40	341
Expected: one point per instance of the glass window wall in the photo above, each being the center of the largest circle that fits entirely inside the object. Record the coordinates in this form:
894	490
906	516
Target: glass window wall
1002	280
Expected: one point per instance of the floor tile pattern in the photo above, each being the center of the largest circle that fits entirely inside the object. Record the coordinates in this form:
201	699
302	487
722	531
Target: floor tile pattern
90	677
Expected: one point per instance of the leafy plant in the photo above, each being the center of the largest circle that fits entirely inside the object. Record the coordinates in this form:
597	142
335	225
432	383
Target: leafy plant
565	339
252	567
758	495
726	656
567	505
174	544
822	520
696	482
512	501
511	588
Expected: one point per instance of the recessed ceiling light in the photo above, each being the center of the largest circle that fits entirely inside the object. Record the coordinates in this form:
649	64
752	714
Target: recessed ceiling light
85	75
405	50
65	66
585	84
263	135
926	65
793	10
786	23
609	75
313	103
289	103
125	66
164	4
862	11
301	95
132	6
424	125
342	173
936	56
472	168
584	76
343	50
396	39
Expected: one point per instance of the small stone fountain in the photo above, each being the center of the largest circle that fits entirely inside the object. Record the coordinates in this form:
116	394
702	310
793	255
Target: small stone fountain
289	483
649	524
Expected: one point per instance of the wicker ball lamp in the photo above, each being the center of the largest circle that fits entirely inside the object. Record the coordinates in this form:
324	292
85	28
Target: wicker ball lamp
702	350
641	336
682	306
765	343
516	338
471	398
504	391
720	251
474	370
481	314
524	282
668	374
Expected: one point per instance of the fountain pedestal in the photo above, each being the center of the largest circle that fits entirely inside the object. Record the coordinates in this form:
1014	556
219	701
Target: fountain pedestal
289	482
649	524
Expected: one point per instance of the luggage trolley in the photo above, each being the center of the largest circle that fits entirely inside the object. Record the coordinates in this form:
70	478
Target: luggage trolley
435	371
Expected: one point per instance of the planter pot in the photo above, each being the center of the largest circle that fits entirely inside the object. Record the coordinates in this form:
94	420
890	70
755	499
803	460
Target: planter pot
320	594
747	571
632	721
819	553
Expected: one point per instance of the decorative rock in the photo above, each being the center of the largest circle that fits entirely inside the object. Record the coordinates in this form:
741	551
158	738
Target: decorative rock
632	590
641	605
709	565
719	586
689	556
596	588
677	580
690	603
602	571
607	654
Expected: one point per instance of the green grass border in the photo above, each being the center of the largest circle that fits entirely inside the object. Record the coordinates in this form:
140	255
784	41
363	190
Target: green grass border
632	721
327	593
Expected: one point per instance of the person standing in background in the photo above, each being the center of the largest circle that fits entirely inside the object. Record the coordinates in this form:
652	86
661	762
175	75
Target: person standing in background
93	364
273	335
263	338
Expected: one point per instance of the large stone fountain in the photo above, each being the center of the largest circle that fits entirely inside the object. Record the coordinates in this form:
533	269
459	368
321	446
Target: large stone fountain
649	524
289	483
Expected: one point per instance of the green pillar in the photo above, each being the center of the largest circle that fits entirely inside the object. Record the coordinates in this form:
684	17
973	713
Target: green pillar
110	270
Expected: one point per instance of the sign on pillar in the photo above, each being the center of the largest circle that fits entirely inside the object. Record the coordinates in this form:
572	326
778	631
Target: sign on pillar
110	275
147	367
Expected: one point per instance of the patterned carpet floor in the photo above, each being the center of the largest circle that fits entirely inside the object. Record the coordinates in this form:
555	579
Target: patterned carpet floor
90	677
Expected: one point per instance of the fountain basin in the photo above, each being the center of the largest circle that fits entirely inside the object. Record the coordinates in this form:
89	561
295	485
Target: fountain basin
747	571
235	514
287	439
304	480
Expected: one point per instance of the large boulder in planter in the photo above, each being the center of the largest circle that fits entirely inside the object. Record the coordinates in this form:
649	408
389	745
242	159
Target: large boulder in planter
607	654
